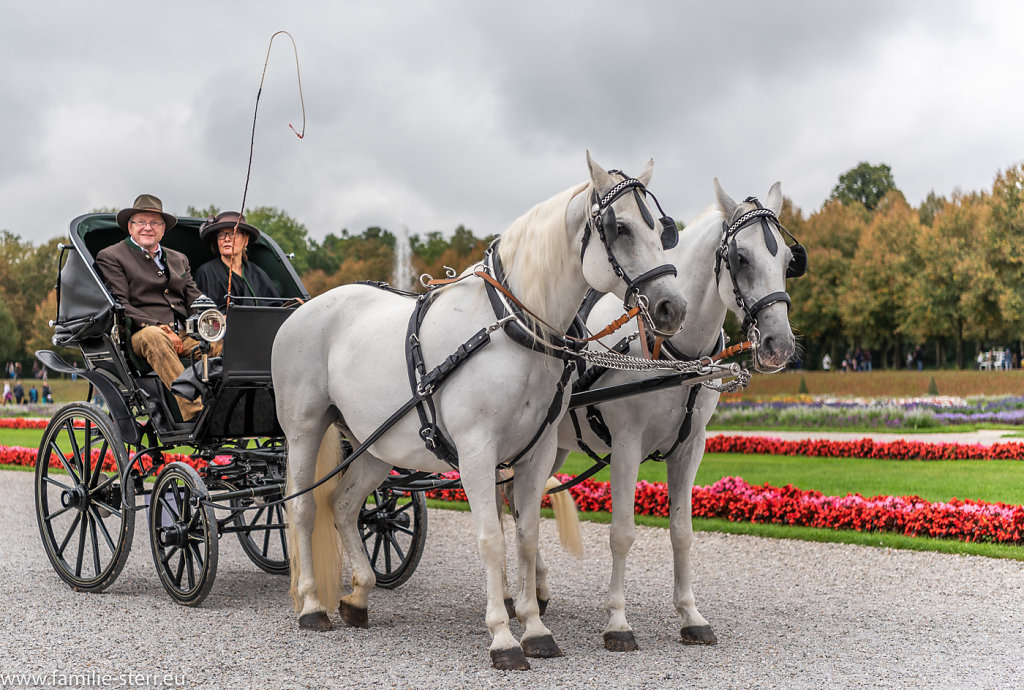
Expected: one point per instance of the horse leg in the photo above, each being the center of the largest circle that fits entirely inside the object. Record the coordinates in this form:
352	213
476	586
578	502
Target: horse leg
478	483
618	635
303	446
682	468
361	478
503	493
531	475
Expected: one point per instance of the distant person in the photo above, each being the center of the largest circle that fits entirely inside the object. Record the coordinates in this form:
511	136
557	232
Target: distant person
19	391
47	395
33	395
229	236
8	398
919	357
826	362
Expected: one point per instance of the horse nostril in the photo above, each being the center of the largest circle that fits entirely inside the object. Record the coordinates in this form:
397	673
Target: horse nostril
668	316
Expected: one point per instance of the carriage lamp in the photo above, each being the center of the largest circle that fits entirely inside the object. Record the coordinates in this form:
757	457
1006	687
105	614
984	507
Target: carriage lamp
206	321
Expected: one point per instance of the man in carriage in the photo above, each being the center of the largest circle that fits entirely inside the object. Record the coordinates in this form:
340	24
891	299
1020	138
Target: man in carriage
154	285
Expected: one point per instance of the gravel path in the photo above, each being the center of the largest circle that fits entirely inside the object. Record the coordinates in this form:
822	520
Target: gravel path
787	614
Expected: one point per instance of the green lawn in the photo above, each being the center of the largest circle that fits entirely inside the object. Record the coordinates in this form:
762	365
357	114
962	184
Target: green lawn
987	480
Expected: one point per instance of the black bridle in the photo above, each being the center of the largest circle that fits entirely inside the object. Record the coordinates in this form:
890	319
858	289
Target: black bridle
729	255
602	221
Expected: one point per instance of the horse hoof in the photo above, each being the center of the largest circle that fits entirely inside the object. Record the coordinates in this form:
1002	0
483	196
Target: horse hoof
510	609
317	620
511	659
620	641
698	634
541	647
353	615
543	604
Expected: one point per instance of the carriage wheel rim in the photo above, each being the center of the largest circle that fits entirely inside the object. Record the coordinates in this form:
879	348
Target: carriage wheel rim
85	531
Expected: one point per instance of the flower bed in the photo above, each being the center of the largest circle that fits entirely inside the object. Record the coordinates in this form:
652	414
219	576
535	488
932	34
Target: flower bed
733	499
864	448
26	457
23	422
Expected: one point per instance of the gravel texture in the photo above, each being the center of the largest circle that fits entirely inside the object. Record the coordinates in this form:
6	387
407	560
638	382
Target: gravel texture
788	614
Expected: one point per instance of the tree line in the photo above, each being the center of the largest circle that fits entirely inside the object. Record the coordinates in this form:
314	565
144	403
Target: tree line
883	275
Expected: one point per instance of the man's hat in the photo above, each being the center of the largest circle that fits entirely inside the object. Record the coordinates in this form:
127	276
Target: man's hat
225	220
144	203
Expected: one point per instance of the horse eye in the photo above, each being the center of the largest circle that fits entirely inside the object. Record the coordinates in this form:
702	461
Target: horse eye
743	260
622	228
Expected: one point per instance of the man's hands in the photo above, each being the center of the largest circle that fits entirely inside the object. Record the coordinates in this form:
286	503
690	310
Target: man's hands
173	337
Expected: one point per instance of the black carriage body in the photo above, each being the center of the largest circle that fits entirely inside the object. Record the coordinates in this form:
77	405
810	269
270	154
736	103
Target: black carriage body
241	402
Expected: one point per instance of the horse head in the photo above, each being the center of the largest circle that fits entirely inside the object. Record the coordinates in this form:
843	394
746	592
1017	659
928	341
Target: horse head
753	262
627	244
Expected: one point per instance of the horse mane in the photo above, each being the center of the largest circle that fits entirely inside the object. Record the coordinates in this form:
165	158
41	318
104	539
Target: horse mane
537	247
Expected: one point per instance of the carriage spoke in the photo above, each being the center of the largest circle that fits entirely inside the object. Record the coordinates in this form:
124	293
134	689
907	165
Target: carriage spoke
169	508
110	480
181	568
67	537
103	527
97	473
401	528
168	553
95	544
88	474
64	462
60	512
376	550
81	549
191	568
77	451
107	507
398	547
266	533
50	480
387	554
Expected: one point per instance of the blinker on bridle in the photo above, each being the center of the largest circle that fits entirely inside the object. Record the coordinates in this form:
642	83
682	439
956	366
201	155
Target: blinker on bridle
729	254
602	220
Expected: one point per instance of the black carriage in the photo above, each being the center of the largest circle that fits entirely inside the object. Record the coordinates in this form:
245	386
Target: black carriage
221	473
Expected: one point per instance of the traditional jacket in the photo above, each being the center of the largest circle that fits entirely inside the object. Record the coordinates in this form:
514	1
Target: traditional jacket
150	296
212	279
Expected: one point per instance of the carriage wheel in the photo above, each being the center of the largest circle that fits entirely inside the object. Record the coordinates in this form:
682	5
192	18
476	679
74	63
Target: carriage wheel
85	515
183	534
262	533
393	525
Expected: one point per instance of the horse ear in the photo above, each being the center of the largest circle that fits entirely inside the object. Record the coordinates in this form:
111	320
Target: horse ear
774	200
599	177
725	203
646	174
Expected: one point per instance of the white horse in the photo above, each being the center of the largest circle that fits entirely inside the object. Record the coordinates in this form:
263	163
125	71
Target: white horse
341	360
736	258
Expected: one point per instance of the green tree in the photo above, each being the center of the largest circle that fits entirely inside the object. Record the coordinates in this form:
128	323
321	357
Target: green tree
871	304
1003	262
289	233
941	294
831	237
867	184
10	337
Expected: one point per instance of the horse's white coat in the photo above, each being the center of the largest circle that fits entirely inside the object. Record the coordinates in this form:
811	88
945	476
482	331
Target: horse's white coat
642	424
340	359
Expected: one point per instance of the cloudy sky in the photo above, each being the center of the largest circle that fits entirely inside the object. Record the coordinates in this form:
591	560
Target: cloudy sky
432	114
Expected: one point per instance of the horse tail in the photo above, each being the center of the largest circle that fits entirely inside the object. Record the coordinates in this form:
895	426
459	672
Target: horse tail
567	518
327	553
